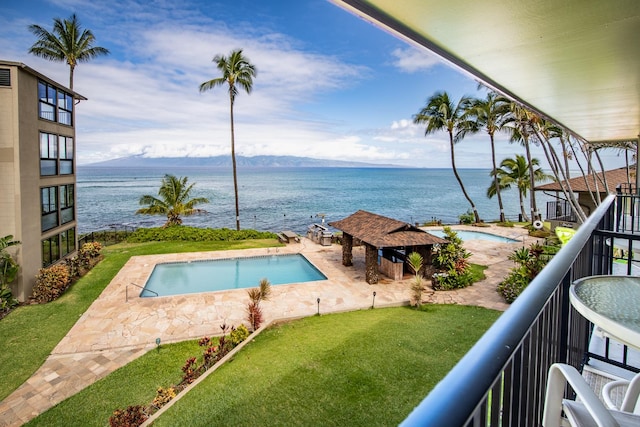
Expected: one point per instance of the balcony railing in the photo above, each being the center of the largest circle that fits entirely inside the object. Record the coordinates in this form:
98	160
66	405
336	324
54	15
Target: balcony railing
501	381
560	210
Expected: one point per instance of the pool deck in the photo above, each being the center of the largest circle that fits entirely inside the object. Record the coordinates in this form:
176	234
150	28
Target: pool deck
120	326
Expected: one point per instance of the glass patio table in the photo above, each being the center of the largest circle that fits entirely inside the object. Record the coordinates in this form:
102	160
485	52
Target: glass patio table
611	303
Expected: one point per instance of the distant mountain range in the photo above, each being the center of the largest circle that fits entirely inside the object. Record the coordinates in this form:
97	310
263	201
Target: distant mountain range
242	161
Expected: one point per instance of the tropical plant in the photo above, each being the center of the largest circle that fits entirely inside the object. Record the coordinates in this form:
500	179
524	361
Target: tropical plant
173	200
467	217
8	266
529	262
236	71
8	271
51	282
441	114
451	261
68	42
134	415
490	114
515	172
256	296
415	262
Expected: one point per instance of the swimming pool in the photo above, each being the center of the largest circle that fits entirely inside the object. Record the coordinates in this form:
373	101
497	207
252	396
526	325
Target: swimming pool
477	235
174	278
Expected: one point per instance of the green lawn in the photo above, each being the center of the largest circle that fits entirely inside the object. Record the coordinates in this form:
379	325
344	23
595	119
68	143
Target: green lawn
369	367
30	333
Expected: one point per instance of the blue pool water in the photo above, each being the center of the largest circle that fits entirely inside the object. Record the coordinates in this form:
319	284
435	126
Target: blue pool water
477	235
176	278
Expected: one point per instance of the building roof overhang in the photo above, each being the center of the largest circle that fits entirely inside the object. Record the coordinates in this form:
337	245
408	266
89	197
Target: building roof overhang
576	62
41	76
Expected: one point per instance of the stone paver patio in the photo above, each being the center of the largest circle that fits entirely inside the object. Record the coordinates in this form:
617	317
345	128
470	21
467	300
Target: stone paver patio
119	326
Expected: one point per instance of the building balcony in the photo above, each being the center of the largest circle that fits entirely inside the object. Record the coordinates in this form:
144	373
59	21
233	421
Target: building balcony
501	381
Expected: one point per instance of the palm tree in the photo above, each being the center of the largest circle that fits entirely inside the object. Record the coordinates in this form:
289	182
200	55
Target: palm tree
489	114
440	113
236	71
515	171
68	42
519	124
173	200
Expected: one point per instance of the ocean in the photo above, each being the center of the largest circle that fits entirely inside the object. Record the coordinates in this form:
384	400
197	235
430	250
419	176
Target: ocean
276	199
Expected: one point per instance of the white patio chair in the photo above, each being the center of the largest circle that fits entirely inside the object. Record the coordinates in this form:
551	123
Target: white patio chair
587	411
629	389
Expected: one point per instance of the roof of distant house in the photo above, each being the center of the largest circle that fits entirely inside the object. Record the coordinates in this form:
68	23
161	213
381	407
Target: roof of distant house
383	232
580	184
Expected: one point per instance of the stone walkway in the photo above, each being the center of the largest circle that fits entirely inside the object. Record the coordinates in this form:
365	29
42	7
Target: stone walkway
119	326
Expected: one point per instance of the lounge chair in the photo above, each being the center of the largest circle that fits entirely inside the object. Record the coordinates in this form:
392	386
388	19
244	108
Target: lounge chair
587	411
630	390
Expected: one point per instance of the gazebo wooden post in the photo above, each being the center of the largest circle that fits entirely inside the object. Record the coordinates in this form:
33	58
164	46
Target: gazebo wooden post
371	264
347	250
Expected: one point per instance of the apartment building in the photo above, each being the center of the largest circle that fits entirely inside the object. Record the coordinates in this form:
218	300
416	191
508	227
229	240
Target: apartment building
37	170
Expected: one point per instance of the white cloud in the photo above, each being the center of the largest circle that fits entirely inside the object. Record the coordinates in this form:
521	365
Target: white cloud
412	59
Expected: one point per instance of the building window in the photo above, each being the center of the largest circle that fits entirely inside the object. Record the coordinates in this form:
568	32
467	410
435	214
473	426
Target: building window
50	251
48	154
49	208
67	241
65	108
48	97
66	203
66	155
56	154
54	104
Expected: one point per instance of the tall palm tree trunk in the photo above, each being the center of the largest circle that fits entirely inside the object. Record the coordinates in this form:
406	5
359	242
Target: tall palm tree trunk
495	178
523	211
455	172
233	163
532	183
564	184
71	67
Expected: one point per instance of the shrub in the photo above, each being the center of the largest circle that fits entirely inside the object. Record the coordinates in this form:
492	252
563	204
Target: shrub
133	416
7	301
467	218
73	265
195	234
417	286
88	253
529	262
254	315
256	295
513	285
190	371
507	223
539	233
453	269
90	250
238	335
51	282
163	396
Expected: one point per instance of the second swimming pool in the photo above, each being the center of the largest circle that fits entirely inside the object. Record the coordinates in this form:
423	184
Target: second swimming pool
174	278
477	235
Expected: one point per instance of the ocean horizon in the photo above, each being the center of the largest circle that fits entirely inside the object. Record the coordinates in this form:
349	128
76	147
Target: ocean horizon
276	199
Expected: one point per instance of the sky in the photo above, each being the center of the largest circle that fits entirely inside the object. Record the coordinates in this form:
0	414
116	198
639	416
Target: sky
329	85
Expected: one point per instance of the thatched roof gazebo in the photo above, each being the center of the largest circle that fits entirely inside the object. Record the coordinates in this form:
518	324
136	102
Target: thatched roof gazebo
395	238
